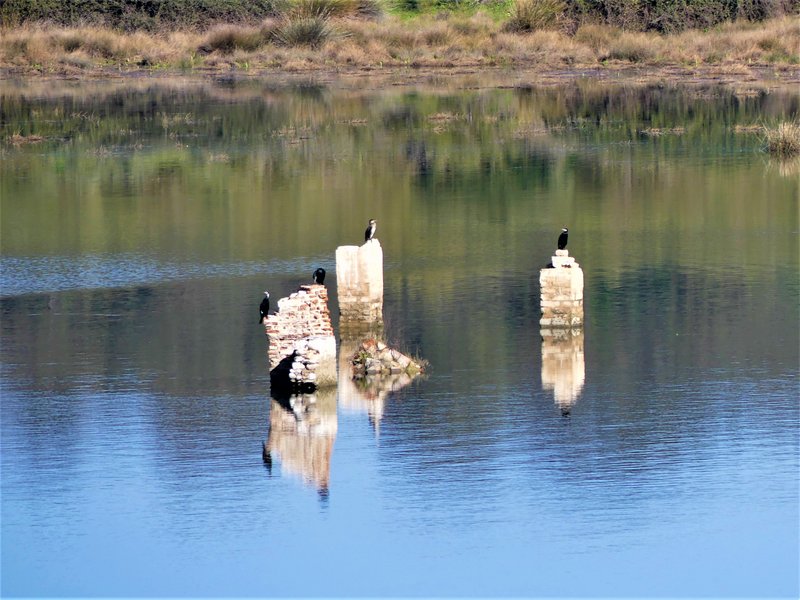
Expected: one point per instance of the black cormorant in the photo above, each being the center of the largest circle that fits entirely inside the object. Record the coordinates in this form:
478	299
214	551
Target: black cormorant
370	232
263	308
562	239
319	276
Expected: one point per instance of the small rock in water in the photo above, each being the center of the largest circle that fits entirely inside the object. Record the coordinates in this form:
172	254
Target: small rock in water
376	358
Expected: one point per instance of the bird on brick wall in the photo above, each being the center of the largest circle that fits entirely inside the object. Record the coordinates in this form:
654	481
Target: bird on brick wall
370	232
263	308
562	239
319	276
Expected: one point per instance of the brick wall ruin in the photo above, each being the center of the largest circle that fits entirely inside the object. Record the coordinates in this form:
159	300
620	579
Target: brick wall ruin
302	347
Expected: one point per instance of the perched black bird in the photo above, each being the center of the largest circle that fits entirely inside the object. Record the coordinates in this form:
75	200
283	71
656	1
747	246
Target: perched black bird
263	308
562	239
370	232
319	276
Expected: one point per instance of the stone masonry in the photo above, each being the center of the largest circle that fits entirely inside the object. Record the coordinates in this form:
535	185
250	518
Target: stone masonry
562	292
359	279
302	347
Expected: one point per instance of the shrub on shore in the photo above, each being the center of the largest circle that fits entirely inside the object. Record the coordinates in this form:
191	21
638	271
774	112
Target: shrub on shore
520	15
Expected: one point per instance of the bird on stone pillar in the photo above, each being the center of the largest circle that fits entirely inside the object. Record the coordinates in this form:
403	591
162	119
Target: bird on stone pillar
562	239
319	276
370	232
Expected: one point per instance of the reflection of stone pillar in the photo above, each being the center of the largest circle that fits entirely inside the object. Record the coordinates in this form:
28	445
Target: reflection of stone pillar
562	292
359	280
563	366
366	394
302	430
355	395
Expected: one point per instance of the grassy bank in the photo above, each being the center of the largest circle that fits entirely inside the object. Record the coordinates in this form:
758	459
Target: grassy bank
359	34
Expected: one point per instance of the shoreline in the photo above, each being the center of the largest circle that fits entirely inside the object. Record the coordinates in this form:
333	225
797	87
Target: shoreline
752	77
394	52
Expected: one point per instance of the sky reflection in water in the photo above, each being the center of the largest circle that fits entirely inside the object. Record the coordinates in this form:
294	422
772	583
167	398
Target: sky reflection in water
653	454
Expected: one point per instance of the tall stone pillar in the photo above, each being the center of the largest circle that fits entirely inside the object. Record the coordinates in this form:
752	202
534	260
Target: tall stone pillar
562	292
359	279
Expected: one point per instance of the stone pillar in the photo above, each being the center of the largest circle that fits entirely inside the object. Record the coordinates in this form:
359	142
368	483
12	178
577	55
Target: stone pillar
562	292
359	279
563	365
302	347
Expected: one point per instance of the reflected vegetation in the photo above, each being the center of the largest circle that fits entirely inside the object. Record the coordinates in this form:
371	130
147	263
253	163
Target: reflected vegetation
302	431
137	163
563	366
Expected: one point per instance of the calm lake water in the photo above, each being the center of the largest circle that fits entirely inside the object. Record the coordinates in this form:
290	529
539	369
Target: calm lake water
654	455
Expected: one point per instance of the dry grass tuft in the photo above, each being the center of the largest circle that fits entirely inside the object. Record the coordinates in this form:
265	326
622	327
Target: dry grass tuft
531	15
320	40
311	31
229	38
437	34
634	47
597	37
365	9
784	140
18	139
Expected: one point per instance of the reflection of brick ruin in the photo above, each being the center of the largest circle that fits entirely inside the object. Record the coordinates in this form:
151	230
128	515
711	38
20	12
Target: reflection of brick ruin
562	292
302	431
563	366
302	347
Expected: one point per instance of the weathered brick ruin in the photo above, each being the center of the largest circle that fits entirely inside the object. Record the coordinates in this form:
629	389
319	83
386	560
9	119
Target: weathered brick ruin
562	292
302	347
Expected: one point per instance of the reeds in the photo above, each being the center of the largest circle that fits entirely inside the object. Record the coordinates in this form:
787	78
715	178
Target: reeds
783	141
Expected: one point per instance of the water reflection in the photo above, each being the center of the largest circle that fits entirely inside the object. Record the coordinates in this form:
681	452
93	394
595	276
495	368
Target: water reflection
367	395
302	431
134	247
563	366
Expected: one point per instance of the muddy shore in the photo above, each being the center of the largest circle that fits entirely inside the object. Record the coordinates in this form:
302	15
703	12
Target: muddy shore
752	78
